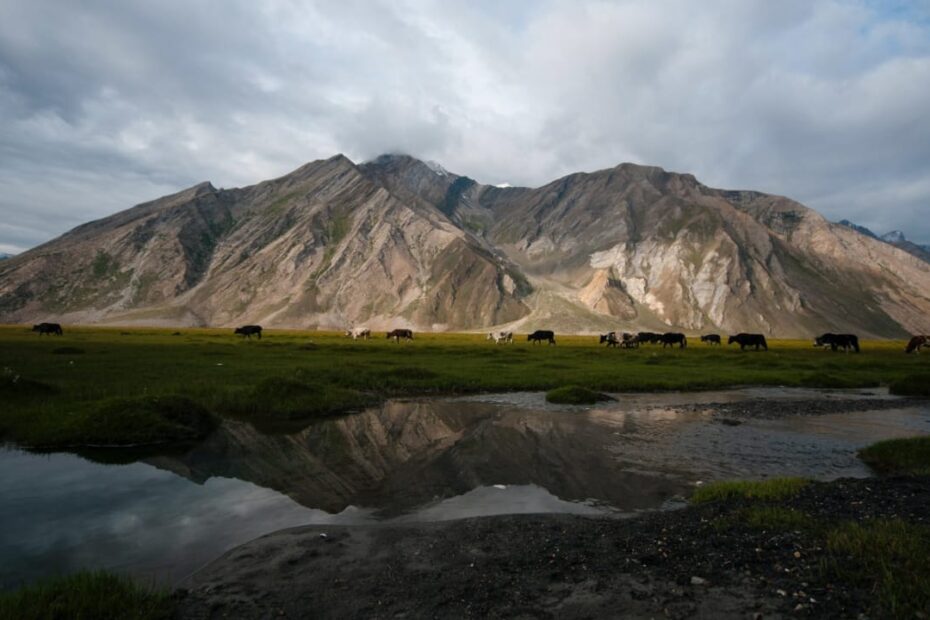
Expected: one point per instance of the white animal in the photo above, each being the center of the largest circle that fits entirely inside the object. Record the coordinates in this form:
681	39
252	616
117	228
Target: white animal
499	337
359	332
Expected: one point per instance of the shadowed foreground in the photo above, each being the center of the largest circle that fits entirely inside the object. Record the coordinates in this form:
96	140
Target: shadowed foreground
815	553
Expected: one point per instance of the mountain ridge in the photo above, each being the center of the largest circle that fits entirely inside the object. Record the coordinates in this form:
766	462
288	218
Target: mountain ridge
395	241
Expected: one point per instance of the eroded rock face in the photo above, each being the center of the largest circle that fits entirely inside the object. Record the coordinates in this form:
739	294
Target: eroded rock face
397	241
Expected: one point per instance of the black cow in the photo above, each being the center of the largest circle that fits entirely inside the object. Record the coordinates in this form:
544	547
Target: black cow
630	341
649	337
48	328
711	339
249	330
397	334
838	341
673	338
749	340
541	334
610	338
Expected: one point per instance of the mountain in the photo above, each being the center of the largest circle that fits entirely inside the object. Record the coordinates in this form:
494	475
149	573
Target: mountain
4	256
399	242
895	238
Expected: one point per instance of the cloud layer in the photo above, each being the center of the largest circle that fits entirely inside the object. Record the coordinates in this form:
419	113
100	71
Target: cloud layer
110	103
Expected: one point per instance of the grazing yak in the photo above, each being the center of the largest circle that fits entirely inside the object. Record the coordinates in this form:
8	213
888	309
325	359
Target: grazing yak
541	334
48	328
358	332
249	330
711	339
397	334
630	341
749	340
649	338
916	343
838	341
499	337
610	338
673	338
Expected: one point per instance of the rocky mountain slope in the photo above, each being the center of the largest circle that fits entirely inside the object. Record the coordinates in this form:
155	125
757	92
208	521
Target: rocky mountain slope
895	238
396	241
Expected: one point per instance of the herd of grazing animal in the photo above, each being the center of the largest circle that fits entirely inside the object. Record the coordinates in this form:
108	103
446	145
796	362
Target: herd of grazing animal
835	342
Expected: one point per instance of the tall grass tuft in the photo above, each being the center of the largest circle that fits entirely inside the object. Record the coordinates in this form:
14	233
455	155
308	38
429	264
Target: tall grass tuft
86	596
890	558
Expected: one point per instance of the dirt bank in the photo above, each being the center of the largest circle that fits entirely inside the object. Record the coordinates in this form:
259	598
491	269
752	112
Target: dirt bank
702	561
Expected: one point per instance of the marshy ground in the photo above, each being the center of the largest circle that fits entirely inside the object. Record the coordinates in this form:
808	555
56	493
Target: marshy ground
110	386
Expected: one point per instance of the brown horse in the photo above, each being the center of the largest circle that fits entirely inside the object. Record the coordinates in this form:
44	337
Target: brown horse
917	343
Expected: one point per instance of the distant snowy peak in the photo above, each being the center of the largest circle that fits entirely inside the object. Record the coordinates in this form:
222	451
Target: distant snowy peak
895	236
504	185
4	256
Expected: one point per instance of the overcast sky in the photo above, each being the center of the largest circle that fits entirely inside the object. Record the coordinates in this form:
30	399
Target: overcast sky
108	103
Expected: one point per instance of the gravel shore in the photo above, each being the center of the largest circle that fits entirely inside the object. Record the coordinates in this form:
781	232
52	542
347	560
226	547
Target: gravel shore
701	561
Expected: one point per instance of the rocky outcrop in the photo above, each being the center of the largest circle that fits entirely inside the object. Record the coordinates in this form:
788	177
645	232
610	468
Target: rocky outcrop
396	241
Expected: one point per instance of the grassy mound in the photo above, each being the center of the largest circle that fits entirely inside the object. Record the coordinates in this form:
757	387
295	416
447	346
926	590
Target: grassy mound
911	385
86	596
774	489
291	399
899	456
142	421
575	395
16	388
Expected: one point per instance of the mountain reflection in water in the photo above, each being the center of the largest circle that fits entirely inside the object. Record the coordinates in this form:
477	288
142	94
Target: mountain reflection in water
408	461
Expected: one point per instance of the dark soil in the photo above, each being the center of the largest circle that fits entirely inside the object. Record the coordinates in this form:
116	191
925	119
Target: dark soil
702	561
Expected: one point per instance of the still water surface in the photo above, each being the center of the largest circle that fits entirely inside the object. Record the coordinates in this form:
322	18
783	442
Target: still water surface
166	515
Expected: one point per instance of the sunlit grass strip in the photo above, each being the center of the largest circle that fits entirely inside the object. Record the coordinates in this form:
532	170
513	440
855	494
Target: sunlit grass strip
889	557
899	456
86	596
774	489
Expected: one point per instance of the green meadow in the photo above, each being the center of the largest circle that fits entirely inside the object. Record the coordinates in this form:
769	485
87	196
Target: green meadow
143	386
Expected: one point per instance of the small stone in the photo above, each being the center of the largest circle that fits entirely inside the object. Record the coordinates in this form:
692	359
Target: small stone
797	554
781	592
698	581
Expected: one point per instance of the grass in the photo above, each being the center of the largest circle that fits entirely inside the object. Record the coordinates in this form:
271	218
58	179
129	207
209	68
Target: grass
229	376
911	385
767	490
575	395
86	596
890	558
899	456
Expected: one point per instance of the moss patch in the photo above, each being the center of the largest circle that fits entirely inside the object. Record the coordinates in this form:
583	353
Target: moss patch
575	395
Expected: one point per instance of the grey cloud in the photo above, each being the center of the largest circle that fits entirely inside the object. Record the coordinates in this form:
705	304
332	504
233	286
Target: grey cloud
109	103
